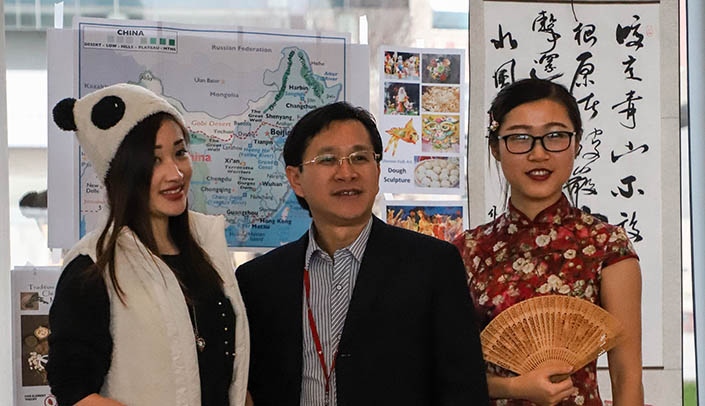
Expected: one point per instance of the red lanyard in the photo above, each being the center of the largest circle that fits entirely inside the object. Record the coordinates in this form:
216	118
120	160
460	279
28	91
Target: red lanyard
317	337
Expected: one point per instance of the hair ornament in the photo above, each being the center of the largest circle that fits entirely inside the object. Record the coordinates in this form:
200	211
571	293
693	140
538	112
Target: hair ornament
494	125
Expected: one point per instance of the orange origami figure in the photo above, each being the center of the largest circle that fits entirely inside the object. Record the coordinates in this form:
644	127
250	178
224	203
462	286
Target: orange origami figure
407	134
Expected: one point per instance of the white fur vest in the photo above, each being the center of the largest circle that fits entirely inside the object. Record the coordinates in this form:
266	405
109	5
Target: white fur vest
154	359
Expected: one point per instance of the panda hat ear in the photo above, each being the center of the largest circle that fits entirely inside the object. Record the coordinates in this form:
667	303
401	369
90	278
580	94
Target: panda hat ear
63	114
103	118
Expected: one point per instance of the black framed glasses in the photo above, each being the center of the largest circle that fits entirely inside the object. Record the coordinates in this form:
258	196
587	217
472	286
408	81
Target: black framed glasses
357	158
555	141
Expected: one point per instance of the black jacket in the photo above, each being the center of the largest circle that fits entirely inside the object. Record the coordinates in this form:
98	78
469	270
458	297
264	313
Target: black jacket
409	338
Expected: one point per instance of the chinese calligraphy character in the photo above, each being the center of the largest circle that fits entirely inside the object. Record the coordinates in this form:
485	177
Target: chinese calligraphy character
628	181
493	212
629	70
634	233
630	30
545	24
629	110
584	70
579	183
585	34
504	75
631	149
499	43
589	105
547	59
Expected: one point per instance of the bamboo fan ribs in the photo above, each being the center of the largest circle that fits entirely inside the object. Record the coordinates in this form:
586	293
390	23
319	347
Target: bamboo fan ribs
552	327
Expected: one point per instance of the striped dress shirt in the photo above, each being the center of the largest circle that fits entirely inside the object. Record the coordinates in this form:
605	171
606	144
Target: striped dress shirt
332	284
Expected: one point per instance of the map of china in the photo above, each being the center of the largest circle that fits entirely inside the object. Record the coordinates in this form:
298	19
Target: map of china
237	159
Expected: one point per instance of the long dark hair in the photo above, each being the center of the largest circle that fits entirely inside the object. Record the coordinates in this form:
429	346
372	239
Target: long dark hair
128	184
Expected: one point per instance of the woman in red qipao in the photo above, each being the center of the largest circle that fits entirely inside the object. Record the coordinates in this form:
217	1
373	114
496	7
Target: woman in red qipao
542	245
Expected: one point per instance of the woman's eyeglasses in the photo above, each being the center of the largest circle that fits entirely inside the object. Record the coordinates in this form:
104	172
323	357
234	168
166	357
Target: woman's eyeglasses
357	158
555	141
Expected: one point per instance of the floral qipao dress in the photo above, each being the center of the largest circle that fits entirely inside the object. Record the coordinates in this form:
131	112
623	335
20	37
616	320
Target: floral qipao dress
561	252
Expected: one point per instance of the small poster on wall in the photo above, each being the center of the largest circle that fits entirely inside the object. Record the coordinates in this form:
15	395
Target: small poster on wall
422	123
32	295
441	219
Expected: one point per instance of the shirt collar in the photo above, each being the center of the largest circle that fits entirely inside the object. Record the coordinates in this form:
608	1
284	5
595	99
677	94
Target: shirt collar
357	248
550	215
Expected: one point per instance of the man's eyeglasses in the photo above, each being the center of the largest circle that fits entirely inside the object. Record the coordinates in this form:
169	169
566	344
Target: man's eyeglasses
357	158
555	141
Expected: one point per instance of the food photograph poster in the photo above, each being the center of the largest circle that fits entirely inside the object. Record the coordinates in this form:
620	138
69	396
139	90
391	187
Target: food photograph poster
422	123
441	219
32	295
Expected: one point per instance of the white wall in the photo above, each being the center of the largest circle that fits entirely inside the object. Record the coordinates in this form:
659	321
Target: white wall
696	102
5	319
26	124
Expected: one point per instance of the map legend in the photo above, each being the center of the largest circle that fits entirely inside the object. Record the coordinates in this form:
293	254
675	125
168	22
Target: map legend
131	39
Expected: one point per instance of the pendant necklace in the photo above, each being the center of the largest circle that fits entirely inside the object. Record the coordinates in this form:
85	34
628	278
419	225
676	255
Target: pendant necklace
200	341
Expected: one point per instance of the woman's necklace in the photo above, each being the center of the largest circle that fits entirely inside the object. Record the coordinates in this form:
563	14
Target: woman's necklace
200	341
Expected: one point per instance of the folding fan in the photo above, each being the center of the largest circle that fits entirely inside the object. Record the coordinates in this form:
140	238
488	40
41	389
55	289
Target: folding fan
552	327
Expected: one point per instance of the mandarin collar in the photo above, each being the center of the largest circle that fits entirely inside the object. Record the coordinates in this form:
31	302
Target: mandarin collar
552	214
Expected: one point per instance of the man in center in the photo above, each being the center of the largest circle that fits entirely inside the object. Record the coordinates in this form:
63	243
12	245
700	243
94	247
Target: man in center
356	312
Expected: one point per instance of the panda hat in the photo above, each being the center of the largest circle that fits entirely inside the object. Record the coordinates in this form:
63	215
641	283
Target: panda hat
103	118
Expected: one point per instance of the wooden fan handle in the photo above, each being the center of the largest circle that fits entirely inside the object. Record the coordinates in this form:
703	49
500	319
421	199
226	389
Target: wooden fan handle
559	378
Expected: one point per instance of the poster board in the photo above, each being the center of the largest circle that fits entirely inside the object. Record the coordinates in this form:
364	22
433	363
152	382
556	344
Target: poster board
240	91
32	295
423	126
422	120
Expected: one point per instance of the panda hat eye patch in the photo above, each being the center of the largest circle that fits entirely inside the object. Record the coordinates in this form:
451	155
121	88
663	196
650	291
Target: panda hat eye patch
108	112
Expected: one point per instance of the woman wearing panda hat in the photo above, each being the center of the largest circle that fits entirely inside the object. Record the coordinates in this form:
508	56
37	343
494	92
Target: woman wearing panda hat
147	310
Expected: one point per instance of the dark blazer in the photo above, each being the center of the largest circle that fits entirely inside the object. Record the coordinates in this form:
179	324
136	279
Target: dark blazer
409	337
